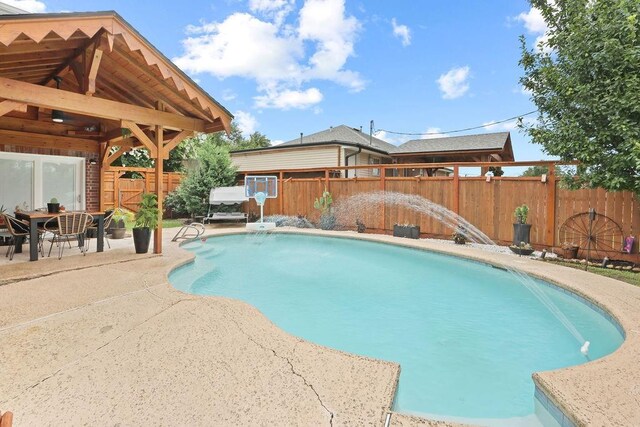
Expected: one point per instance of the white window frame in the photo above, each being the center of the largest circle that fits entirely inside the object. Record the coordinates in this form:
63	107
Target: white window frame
37	190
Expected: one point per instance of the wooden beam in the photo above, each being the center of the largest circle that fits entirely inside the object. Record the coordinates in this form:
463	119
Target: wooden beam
46	97
90	87
173	142
157	235
77	52
57	142
8	106
113	157
142	137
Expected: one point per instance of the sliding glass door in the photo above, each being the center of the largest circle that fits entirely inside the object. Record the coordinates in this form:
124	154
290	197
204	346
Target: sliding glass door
30	181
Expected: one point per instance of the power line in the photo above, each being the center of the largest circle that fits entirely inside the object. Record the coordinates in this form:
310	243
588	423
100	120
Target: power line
458	130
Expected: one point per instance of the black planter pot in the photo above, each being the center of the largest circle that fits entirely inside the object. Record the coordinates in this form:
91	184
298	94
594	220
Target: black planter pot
141	239
53	207
412	232
521	233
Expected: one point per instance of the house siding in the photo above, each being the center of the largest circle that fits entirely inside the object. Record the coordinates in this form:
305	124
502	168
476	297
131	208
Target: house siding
286	159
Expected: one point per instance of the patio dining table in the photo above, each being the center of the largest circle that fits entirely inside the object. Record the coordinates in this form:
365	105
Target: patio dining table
36	218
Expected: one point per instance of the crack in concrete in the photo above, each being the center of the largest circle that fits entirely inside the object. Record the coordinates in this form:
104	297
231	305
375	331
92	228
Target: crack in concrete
88	354
293	370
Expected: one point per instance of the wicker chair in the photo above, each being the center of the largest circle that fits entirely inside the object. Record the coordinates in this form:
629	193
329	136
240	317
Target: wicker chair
65	227
16	229
93	228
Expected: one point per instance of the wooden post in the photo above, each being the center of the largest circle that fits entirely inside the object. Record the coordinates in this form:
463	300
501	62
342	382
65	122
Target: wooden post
157	244
550	232
102	166
383	209
456	189
326	179
281	193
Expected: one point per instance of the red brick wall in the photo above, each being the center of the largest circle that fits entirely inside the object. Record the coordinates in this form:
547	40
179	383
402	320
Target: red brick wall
92	176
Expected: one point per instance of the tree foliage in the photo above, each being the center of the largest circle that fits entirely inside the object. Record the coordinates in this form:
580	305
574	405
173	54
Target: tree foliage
585	80
188	148
214	169
535	171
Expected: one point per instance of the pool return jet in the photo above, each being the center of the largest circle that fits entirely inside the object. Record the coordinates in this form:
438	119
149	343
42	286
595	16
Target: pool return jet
261	188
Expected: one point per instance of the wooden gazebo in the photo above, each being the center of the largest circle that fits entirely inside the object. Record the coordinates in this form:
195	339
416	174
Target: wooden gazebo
90	83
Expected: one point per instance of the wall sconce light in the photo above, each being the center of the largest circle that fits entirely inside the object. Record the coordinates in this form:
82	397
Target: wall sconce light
57	115
543	177
93	162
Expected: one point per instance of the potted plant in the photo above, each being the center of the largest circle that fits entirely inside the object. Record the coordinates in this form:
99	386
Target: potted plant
406	230
570	250
146	220
119	222
521	230
459	236
522	249
53	206
2	210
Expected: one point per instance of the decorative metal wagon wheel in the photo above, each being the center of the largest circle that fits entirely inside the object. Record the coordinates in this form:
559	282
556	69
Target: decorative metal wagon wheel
598	234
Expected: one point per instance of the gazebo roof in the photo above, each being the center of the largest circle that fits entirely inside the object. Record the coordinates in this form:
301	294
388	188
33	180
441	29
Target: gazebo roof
100	54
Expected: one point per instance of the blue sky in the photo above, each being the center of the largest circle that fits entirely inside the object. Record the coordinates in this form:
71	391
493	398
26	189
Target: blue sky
286	66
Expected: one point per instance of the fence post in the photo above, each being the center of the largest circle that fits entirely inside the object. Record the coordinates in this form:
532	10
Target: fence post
281	195
456	189
551	206
383	172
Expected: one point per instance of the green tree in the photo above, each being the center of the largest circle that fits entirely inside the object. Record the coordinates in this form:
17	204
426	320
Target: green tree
214	170
535	171
585	81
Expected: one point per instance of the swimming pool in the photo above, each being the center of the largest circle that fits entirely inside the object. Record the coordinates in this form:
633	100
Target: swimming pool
467	336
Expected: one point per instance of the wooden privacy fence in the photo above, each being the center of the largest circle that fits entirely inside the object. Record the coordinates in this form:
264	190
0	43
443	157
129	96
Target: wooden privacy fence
488	204
127	192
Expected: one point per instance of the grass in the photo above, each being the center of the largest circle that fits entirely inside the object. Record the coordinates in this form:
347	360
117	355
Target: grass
622	275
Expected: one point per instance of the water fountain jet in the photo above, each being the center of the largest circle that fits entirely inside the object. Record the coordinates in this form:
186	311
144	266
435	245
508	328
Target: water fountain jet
352	208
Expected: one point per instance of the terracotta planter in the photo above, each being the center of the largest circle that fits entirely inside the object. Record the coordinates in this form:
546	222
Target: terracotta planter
570	252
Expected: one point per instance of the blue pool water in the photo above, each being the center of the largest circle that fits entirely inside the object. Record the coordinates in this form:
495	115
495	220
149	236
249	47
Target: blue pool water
467	336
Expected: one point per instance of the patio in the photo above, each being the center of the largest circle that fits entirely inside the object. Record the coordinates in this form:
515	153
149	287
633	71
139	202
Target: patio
116	343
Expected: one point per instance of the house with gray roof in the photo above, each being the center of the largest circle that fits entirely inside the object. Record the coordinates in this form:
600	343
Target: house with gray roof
346	146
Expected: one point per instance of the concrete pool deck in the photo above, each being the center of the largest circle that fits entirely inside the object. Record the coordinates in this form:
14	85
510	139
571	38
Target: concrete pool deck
116	344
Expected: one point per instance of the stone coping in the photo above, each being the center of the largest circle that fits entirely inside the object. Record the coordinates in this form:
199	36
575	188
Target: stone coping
602	392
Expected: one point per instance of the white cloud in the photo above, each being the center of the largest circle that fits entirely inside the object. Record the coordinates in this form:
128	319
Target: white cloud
273	9
228	95
535	24
454	83
275	54
433	133
533	21
247	123
402	32
33	6
287	99
277	142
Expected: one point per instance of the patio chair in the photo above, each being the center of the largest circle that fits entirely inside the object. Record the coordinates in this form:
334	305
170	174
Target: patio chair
66	227
15	229
93	229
